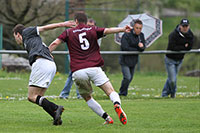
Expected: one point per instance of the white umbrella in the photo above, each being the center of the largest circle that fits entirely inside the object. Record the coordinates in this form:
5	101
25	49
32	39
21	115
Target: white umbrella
152	27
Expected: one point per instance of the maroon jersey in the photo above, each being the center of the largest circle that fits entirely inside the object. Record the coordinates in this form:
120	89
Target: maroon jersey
83	46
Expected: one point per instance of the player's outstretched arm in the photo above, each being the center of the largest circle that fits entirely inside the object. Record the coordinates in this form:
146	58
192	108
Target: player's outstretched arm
117	30
54	44
69	24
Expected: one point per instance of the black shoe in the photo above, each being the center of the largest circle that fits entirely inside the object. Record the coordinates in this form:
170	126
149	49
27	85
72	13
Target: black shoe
172	95
63	97
122	95
58	113
79	97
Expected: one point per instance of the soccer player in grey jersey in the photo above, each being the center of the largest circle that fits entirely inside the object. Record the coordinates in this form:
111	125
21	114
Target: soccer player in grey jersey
42	65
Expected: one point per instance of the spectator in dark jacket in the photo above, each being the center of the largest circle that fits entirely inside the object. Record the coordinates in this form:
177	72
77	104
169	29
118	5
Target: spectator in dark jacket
180	39
133	41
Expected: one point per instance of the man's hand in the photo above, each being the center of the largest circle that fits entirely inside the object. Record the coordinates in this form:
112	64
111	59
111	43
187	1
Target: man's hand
52	56
127	28
140	45
70	24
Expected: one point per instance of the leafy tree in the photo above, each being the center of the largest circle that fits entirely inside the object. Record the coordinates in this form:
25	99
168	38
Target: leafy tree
189	6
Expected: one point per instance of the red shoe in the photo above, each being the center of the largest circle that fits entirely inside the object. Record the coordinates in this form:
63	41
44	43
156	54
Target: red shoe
121	114
109	120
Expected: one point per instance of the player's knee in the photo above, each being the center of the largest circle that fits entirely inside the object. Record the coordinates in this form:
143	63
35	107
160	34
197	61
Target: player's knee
86	97
31	99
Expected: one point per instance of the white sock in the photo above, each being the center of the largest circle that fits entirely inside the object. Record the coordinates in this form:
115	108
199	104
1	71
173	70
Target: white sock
114	97
96	107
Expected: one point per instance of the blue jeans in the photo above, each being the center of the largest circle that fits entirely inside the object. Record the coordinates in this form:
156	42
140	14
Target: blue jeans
68	85
128	73
172	68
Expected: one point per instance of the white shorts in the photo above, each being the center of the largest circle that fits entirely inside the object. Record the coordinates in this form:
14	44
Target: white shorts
42	73
83	77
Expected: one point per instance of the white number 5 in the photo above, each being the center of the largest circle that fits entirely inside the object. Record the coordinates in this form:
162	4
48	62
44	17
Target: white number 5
83	40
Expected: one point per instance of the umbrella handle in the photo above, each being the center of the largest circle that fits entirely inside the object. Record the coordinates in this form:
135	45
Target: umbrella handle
139	39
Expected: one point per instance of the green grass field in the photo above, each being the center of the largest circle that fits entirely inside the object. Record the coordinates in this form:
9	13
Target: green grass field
146	111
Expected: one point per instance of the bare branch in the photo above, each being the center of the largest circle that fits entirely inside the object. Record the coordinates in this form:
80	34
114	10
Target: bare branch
8	23
9	8
42	4
35	15
25	11
51	18
7	17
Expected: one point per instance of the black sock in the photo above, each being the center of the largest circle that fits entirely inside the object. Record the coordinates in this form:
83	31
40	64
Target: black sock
105	115
48	106
38	99
117	103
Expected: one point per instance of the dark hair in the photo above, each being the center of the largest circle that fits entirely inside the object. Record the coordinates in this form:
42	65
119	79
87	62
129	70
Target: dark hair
92	21
135	21
18	29
80	17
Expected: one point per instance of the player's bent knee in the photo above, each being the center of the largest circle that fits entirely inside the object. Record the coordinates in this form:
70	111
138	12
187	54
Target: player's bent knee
31	99
86	97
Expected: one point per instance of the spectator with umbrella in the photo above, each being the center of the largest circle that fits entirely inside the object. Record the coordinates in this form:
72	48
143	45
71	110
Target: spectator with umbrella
133	41
146	30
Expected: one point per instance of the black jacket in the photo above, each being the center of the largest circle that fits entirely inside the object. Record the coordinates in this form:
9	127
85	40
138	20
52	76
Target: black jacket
129	42
177	41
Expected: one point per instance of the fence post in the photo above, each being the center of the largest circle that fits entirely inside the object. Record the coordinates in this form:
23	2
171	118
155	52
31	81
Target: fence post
1	44
66	48
138	64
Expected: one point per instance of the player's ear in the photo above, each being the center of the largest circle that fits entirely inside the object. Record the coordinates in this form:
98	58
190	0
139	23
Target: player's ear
76	21
18	34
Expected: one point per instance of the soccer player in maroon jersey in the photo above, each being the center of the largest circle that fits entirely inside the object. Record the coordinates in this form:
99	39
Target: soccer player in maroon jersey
86	62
